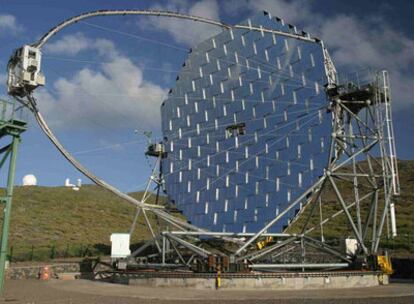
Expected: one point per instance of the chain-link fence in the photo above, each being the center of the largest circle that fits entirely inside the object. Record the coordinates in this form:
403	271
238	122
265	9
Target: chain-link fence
19	253
403	243
23	252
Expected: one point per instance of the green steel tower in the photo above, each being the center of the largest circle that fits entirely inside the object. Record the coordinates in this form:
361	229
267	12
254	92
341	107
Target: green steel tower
11	126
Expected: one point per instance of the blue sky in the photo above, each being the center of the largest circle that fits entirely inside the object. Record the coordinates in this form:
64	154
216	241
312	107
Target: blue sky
106	77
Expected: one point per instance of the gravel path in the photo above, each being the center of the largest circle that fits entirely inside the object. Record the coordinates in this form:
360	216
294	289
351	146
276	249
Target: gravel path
83	291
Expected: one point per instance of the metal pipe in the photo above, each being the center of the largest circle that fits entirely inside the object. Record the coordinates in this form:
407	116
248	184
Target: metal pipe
178	253
313	207
272	222
151	230
363	150
298	266
369	216
163	249
200	251
382	220
355	182
336	214
393	221
260	253
323	246
169	14
134	222
348	215
212	233
7	209
143	247
148	265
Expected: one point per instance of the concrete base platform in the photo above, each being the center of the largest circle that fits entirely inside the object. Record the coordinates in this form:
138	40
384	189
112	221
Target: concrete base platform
287	281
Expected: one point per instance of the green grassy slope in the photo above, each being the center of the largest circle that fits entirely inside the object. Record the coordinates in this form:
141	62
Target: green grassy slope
43	217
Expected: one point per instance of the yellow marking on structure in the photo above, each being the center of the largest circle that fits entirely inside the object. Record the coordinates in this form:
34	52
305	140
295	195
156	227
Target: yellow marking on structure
384	262
262	244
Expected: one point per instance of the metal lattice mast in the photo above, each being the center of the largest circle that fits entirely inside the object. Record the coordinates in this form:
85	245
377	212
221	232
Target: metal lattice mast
364	154
10	129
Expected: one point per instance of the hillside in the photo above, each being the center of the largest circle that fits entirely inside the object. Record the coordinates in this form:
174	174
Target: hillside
59	219
49	221
402	245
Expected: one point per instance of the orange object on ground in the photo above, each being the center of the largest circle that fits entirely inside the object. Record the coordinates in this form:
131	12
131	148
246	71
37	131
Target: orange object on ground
44	273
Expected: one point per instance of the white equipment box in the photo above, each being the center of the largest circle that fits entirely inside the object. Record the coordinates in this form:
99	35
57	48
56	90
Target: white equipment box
24	71
351	247
120	245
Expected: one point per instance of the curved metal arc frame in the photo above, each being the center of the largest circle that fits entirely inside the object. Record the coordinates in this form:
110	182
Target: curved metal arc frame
154	208
160	13
329	70
42	41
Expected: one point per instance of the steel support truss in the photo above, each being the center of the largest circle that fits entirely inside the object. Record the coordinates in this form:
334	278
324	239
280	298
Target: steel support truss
242	246
10	129
362	154
361	175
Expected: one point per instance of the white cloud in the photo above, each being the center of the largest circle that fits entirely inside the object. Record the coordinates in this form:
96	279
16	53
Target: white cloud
188	32
73	44
117	92
372	43
9	25
114	95
295	12
69	45
353	42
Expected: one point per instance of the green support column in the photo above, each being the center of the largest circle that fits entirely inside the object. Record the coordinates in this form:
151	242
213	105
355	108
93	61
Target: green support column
7	201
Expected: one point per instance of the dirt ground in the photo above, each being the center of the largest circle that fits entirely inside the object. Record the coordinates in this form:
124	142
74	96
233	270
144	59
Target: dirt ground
83	291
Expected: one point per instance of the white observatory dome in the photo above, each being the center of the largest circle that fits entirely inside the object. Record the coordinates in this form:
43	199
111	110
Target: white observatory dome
29	180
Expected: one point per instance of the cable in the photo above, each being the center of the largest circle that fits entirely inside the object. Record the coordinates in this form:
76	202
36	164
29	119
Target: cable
108	147
154	208
169	14
172	71
259	62
43	125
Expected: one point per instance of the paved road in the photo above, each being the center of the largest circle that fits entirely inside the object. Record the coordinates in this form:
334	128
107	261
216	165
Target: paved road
82	291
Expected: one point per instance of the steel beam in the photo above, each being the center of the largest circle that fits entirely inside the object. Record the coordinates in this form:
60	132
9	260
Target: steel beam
7	201
143	247
299	266
348	215
260	253
320	245
151	230
231	234
336	214
272	222
200	251
134	222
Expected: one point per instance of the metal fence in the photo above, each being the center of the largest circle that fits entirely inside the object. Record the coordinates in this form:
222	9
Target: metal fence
404	243
19	253
10	111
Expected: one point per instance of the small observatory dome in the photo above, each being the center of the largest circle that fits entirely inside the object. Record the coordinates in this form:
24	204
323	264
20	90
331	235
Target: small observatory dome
29	180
